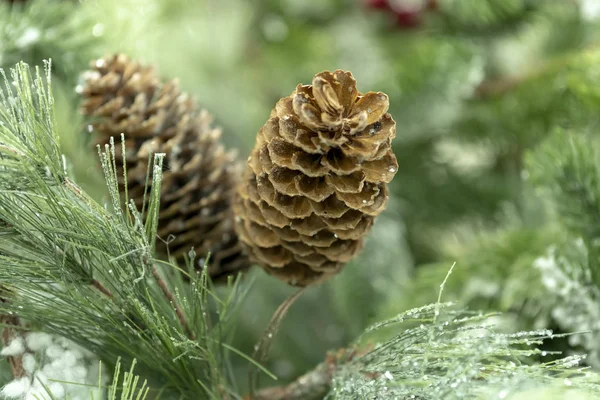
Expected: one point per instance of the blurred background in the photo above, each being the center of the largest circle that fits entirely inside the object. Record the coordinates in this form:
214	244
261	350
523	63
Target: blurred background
475	86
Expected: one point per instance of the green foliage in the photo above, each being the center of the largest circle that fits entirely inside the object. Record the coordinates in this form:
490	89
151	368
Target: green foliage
124	386
566	167
339	310
495	273
566	170
572	296
130	386
452	354
485	16
64	253
47	29
547	274
461	152
78	270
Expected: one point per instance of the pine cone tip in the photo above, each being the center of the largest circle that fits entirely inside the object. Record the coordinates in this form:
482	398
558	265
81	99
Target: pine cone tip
331	103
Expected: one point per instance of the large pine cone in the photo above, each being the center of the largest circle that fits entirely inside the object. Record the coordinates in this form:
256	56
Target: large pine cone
316	179
199	177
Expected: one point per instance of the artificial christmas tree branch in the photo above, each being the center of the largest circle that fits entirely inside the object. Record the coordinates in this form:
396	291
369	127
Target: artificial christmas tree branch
47	29
56	241
442	353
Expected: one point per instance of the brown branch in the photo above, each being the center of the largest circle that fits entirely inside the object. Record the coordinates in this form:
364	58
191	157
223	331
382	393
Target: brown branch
9	333
11	324
313	385
167	292
103	289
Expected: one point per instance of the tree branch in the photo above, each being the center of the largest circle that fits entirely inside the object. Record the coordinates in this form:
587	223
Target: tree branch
313	385
101	288
9	333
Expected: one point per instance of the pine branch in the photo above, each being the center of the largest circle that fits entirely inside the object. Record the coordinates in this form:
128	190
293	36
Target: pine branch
554	70
448	353
44	29
488	17
82	271
465	357
313	385
546	274
567	168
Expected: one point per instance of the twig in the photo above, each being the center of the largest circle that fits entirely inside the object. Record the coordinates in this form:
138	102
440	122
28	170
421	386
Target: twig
313	385
102	288
72	186
9	332
167	292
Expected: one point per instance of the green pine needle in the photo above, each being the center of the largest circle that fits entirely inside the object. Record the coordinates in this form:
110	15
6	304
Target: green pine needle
86	272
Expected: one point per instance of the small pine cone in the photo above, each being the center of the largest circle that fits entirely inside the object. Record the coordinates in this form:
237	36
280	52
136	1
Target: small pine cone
122	96
316	179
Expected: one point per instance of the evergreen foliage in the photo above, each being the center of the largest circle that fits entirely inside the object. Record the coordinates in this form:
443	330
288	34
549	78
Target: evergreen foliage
83	272
496	103
46	29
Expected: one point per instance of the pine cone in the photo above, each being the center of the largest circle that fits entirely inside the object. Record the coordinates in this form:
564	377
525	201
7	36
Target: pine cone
316	179
199	177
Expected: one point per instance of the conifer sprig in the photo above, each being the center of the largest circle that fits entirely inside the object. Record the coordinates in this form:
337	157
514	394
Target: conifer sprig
39	29
58	247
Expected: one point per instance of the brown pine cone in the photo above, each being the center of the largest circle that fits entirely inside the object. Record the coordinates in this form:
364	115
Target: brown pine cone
122	96
316	179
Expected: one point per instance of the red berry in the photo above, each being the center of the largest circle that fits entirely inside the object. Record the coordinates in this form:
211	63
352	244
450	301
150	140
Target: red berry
406	19
378	4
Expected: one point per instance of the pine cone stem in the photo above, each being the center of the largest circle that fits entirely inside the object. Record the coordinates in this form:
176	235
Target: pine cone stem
263	348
